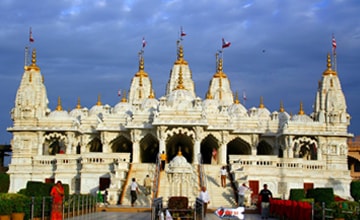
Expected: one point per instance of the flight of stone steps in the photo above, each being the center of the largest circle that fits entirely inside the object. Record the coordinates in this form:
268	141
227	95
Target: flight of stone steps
139	172
219	196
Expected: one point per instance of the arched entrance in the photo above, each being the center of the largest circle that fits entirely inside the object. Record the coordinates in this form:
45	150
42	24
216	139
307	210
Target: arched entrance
180	142
208	145
95	145
238	147
149	149
121	145
264	148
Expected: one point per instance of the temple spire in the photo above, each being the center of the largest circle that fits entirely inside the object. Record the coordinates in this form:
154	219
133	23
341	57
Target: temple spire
261	102
301	111
329	70
98	103
237	98
124	97
33	65
78	105
59	107
281	107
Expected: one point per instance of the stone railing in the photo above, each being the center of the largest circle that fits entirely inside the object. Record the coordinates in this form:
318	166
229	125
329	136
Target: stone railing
105	158
240	162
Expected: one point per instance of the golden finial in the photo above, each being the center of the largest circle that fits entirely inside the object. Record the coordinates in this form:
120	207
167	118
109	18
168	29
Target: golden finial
78	105
33	65
180	55
208	95
301	111
261	102
59	107
141	72
329	71
180	80
179	152
98	103
219	73
237	98
281	106
124	97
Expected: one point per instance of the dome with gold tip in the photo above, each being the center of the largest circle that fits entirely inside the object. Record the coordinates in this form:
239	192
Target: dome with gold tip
59	113
99	108
78	111
123	107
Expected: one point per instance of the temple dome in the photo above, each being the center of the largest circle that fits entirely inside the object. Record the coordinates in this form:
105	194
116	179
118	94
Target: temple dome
179	164
122	107
301	118
237	109
76	113
62	114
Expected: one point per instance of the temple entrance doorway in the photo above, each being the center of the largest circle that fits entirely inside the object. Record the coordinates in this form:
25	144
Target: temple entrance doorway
149	149
180	142
239	147
209	150
121	145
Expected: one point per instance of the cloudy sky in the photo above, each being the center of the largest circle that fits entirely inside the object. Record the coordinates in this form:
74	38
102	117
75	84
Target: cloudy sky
90	47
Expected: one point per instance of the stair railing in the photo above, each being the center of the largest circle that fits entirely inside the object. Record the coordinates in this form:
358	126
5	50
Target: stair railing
156	177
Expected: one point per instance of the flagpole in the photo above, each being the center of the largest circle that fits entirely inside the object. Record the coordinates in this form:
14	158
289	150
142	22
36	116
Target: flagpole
334	52
334	55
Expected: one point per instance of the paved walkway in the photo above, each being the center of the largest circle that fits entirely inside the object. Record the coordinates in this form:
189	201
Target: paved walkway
143	216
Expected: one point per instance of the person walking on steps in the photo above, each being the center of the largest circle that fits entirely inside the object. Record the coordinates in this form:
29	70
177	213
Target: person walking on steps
163	160
147	184
134	190
223	173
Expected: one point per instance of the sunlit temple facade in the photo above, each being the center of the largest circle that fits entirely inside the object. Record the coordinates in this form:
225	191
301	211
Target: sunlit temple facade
83	146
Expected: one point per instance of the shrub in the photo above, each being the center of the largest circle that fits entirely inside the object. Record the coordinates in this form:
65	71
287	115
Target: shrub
321	195
19	202
297	194
355	190
5	205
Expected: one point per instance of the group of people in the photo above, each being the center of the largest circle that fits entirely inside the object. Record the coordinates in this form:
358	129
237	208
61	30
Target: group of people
57	192
134	188
265	196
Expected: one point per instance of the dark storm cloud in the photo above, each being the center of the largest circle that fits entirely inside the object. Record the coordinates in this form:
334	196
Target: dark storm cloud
87	47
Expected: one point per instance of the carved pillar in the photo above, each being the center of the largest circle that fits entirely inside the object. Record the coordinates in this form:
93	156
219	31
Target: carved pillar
69	143
135	138
161	137
105	143
223	148
198	132
254	143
